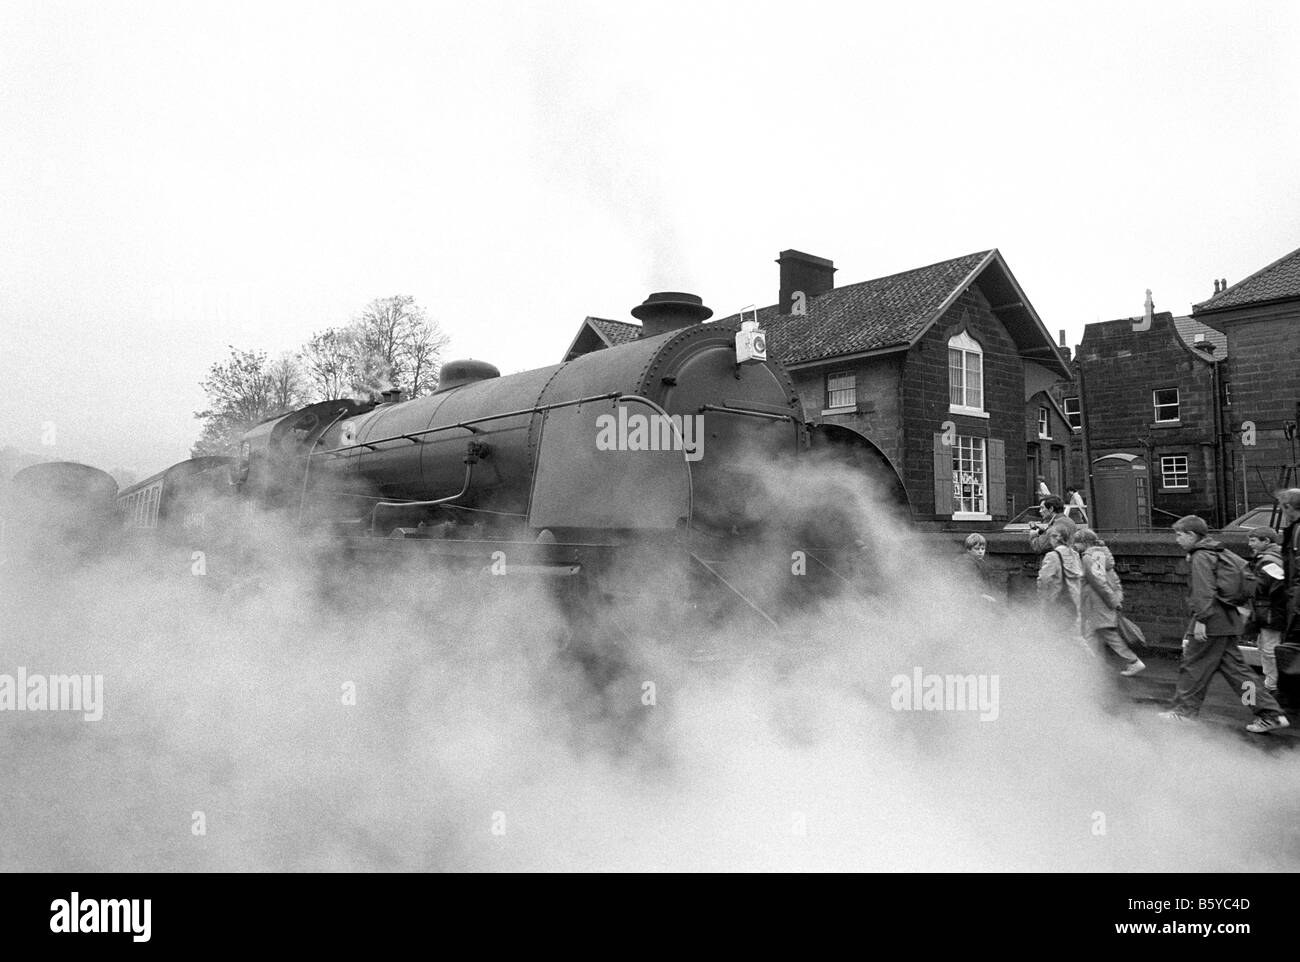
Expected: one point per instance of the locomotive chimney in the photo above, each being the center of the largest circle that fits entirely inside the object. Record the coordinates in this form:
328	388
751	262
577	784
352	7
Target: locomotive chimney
669	311
804	273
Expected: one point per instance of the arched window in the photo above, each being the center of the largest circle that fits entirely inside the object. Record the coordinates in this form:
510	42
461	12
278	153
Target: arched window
965	375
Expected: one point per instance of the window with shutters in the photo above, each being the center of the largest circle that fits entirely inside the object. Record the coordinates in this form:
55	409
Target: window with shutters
965	376
969	479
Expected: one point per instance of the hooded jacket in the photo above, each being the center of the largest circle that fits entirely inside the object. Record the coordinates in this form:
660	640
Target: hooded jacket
1291	565
1101	592
1218	618
1060	578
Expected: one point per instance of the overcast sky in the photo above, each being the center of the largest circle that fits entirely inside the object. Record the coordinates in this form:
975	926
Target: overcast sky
177	177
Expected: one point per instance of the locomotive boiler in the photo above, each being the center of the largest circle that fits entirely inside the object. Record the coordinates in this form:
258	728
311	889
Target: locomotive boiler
650	435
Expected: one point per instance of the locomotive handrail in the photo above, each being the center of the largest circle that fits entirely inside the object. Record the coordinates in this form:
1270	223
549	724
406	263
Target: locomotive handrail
690	478
374	512
746	412
537	409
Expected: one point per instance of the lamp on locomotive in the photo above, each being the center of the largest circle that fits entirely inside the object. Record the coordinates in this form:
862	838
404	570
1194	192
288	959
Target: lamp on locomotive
751	343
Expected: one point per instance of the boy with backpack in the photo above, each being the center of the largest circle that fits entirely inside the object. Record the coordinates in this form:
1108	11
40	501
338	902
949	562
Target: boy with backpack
1218	586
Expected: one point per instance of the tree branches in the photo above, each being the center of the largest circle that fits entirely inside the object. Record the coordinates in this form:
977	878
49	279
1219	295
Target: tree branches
391	343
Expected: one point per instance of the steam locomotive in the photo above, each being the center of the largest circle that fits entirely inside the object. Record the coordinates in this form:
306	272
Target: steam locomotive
575	468
590	474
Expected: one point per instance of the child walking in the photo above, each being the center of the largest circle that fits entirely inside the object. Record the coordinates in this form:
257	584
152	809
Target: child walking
1100	599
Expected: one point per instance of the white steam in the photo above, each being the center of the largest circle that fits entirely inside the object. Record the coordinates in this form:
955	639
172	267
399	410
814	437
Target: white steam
476	743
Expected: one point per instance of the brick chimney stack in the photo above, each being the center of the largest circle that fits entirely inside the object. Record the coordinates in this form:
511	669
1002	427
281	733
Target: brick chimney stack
806	273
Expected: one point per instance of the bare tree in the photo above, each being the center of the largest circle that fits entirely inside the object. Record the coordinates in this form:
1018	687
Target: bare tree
391	343
423	349
398	342
329	362
242	391
288	383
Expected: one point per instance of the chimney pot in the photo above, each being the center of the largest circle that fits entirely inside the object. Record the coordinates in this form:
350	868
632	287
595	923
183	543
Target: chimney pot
804	273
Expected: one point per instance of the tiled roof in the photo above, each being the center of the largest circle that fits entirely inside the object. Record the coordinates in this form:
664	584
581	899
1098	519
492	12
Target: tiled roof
873	315
616	332
1189	328
1277	281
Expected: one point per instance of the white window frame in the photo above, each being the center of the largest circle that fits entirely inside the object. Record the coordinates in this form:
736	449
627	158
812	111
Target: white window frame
965	347
1169	468
1073	418
978	505
1044	424
1156	405
852	391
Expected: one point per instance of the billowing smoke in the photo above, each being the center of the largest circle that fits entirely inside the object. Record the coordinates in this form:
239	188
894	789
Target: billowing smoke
284	707
585	142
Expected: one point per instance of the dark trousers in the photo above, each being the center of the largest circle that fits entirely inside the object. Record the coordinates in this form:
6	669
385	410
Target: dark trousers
1218	654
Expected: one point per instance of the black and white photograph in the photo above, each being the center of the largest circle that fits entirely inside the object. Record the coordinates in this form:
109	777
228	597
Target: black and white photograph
560	437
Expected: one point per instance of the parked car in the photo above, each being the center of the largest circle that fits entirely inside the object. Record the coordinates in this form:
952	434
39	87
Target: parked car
1254	518
1022	521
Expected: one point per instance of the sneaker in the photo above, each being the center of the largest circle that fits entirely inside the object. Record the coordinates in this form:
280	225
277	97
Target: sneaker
1175	716
1267	723
1133	669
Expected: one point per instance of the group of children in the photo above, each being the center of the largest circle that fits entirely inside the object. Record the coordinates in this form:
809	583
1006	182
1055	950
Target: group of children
1081	595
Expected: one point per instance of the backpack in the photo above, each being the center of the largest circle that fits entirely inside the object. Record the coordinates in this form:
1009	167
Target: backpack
1066	591
1232	586
1262	597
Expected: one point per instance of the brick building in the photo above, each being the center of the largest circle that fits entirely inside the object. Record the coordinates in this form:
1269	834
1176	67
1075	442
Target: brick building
1065	392
931	369
1048	438
1152	394
1260	317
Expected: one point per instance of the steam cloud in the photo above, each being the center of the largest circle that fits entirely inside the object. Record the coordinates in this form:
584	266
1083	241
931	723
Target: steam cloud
479	741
